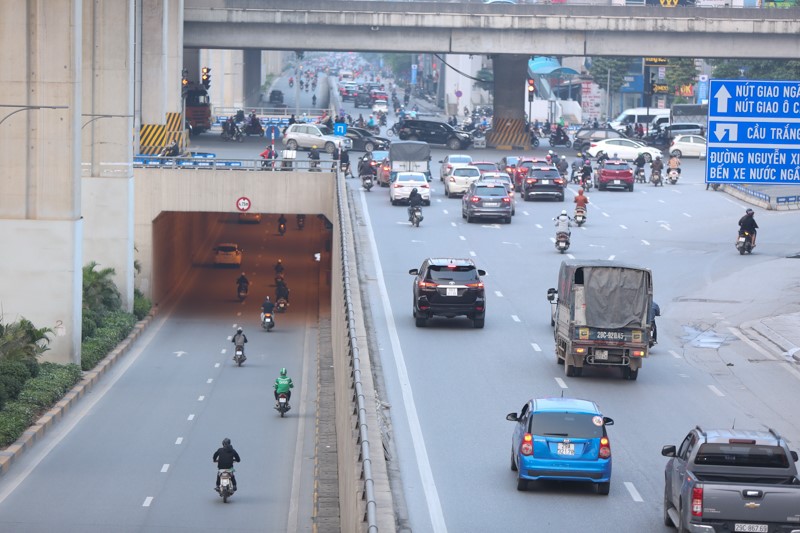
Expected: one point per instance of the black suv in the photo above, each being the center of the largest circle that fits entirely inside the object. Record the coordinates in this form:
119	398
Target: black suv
543	181
362	99
433	132
450	288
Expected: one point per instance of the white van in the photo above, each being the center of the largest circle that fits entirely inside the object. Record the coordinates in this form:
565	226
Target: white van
637	115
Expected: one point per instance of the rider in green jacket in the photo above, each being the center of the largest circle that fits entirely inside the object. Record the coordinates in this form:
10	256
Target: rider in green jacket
283	385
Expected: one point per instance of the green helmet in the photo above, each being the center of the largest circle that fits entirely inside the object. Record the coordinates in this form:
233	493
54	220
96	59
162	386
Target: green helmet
283	372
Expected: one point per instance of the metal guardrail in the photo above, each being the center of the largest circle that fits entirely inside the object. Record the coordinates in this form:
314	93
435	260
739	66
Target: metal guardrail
204	163
366	461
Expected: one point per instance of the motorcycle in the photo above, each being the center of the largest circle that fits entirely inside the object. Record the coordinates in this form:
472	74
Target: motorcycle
580	216
267	322
655	178
673	175
301	221
366	182
282	228
242	292
391	132
562	141
345	167
375	130
254	128
238	355
235	136
225	484
744	243
283	404
314	165
640	176
416	216
562	242
291	83
281	305
314	100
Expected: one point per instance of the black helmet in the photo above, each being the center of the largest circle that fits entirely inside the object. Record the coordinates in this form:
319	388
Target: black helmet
414	190
749	211
226	441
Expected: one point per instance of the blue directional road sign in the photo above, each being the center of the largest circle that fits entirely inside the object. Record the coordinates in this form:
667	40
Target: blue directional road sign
340	128
753	132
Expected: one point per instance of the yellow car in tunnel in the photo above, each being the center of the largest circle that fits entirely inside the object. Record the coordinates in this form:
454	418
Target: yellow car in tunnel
227	254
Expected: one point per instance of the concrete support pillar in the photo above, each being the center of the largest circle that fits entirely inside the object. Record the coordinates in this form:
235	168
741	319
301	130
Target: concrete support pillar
154	61
191	62
174	55
508	123
40	199
107	183
252	77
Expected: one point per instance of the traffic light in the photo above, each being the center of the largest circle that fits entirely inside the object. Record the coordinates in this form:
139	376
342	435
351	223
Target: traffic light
184	82
205	78
531	89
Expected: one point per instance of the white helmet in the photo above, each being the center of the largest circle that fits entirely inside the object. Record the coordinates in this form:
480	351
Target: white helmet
563	211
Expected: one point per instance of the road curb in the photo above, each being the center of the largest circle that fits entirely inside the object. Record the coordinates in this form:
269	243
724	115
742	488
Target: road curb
37	431
771	339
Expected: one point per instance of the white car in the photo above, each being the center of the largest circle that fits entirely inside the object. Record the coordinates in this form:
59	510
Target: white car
501	177
308	135
624	148
459	179
688	146
380	106
400	189
228	254
451	161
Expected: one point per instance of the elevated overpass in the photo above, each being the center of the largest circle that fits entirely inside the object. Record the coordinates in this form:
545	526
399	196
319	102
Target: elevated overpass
467	28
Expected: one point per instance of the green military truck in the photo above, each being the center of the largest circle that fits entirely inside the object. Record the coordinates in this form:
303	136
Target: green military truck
600	316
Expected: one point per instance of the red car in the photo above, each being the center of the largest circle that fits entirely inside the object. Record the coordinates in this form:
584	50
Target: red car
614	173
521	169
485	166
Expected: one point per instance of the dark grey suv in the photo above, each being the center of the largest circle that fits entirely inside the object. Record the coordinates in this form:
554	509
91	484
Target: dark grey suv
433	132
486	200
449	288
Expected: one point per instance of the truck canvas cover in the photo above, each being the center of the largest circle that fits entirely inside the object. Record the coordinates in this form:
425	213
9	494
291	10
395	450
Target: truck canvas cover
409	151
616	295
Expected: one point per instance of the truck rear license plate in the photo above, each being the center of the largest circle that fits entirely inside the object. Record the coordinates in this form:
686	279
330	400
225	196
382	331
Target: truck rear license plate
567	449
601	354
452	291
752	528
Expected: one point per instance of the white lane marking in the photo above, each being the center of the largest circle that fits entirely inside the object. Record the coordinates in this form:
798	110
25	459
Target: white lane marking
216	365
666	227
201	398
633	492
462	237
552	239
209	380
538	226
164	468
179	353
472	253
498	294
179	440
439	200
687	215
675	354
453	224
515	318
535	347
445	211
525	213
788	366
716	391
623	226
561	383
662	202
224	351
676	191
190	417
571	256
645	242
611	257
415	427
147	501
605	214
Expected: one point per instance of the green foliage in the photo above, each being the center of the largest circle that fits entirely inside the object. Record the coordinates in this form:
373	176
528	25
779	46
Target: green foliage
88	324
756	69
13	375
400	64
114	328
38	395
617	66
681	71
141	305
486	79
21	340
99	292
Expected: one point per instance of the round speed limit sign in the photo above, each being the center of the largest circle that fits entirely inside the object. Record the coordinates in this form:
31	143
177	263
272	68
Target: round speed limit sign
243	203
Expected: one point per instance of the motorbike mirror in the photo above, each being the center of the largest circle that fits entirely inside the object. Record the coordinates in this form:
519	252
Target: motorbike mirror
512	417
794	455
608	421
551	294
481	272
668	451
413	271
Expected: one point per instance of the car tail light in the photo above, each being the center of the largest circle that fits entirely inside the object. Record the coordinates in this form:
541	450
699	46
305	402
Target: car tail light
479	308
638	353
697	501
427	285
531	180
559	181
506	200
605	448
475	199
478	285
526	448
385	167
451	179
398	185
593	145
424	186
580	350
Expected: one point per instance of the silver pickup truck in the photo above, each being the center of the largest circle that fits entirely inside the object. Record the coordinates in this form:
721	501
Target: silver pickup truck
732	480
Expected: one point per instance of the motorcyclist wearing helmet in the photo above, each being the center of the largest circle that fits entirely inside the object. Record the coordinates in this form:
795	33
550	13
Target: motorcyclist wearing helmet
414	201
563	223
365	167
283	385
239	340
313	156
225	457
371	122
281	290
748	224
639	162
586	172
581	201
562	165
279	267
281	221
657	164
602	158
267	306
242	282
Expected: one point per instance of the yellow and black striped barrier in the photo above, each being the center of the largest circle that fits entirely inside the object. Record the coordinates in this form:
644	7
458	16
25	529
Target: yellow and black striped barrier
155	137
508	134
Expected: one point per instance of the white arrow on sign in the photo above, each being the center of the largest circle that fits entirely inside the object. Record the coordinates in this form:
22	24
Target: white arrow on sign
720	130
722	99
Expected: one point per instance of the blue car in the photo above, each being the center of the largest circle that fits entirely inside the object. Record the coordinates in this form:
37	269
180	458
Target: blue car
561	439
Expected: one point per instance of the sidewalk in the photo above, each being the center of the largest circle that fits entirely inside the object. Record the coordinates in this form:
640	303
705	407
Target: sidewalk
771	197
779	334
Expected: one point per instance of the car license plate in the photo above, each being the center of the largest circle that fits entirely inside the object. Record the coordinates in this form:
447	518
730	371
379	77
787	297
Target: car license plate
452	291
545	182
601	354
617	182
491	204
752	528
565	449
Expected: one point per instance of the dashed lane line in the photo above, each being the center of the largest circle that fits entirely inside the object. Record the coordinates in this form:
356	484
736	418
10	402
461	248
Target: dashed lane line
623	226
561	383
164	468
525	213
210	380
535	347
462	237
675	354
605	214
539	226
515	318
201	398
645	242
190	417
611	257
633	492
216	365
147	501
453	224
472	253
716	391
445	211
498	294
179	440
687	215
